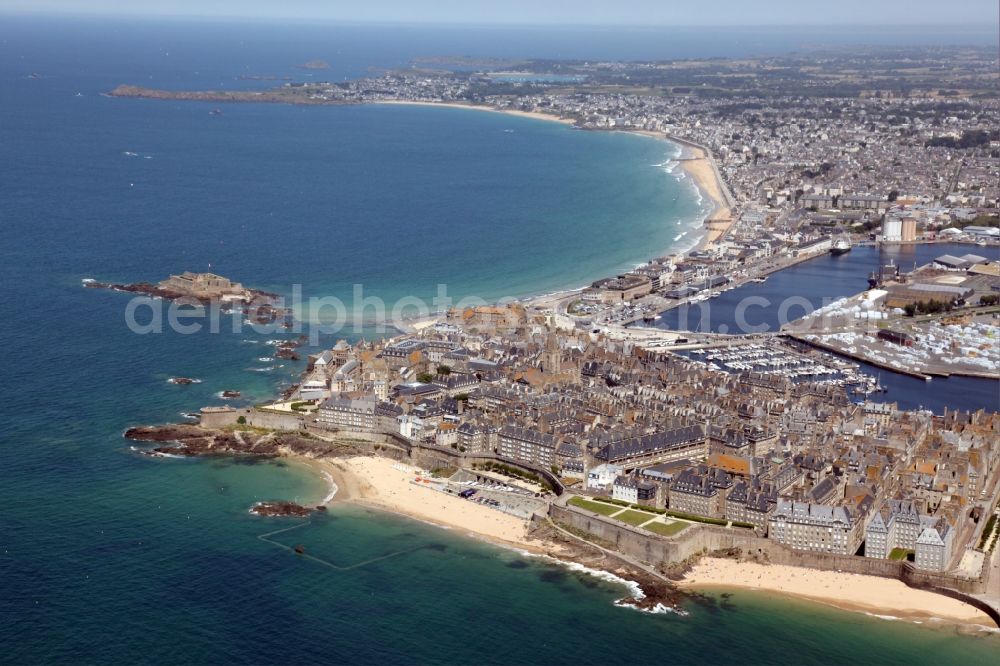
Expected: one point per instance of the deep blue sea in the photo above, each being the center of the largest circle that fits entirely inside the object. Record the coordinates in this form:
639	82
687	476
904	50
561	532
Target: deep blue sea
107	556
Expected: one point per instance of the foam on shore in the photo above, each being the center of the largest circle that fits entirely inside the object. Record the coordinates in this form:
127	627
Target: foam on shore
635	590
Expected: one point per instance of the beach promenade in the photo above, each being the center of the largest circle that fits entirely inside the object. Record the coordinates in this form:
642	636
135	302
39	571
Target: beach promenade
393	486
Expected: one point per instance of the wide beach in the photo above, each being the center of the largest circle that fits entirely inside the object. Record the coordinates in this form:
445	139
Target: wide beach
479	107
392	486
694	160
868	594
389	485
702	170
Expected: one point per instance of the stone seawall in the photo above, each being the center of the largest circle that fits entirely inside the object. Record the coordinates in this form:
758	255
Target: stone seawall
259	418
654	549
700	539
221	417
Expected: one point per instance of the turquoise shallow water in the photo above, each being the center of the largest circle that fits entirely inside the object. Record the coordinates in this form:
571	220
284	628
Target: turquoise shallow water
112	557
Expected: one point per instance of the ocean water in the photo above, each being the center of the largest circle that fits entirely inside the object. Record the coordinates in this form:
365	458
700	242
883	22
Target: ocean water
113	557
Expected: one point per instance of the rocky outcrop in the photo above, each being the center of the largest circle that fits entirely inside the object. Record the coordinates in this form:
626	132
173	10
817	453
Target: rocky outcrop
286	350
262	307
280	508
193	440
650	592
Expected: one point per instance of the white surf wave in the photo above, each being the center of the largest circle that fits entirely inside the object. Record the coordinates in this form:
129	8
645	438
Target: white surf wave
333	488
633	587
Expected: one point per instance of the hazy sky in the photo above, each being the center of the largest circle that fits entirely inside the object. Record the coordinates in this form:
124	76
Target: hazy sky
627	12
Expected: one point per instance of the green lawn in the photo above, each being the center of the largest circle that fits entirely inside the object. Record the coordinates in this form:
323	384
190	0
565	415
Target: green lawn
634	518
596	507
666	529
899	554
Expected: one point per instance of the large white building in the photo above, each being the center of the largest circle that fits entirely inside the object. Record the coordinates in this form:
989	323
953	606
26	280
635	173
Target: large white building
892	231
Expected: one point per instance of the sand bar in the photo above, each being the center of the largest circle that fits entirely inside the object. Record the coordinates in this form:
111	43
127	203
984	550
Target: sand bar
869	594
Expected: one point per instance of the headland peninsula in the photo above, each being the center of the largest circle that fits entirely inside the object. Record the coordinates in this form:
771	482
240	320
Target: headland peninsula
650	449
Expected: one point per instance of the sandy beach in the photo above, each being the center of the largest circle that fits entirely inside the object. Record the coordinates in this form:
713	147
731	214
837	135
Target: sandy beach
869	594
702	172
386	484
477	107
698	165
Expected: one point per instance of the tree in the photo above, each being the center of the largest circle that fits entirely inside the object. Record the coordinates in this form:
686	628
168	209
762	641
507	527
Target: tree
242	420
425	378
444	370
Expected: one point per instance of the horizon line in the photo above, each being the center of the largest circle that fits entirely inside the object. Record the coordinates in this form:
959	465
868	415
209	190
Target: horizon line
152	16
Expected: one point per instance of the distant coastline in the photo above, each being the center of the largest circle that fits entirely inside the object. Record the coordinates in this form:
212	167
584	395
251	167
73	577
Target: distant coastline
696	161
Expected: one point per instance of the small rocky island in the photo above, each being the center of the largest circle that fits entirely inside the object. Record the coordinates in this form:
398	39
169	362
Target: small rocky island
290	94
315	64
280	509
205	289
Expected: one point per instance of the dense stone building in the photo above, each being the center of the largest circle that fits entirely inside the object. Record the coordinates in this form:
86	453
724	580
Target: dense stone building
524	445
204	285
665	446
817	527
751	502
895	525
932	551
475	438
346	413
695	493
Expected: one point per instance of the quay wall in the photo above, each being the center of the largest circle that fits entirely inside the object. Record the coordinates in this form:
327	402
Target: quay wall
701	539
